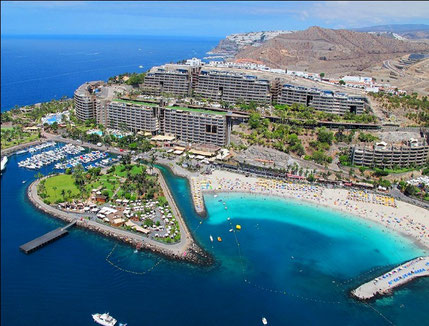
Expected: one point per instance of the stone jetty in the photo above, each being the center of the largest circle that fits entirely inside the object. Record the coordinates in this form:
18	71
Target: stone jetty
384	284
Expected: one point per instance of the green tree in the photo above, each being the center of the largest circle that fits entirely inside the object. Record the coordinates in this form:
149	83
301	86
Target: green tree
325	136
254	120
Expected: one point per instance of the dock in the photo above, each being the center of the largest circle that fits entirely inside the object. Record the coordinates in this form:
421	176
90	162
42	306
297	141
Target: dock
45	239
384	284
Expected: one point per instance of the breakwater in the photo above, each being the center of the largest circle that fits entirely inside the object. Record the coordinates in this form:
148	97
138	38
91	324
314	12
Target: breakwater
399	276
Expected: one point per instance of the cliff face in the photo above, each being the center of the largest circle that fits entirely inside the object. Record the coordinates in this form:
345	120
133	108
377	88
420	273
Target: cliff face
234	43
226	47
328	50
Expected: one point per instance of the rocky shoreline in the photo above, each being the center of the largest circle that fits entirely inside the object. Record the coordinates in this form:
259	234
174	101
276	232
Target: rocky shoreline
191	253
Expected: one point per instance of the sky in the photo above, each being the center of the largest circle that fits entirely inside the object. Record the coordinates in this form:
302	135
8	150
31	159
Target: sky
195	18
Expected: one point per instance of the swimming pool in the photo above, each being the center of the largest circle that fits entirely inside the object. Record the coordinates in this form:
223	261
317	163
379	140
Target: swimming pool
95	132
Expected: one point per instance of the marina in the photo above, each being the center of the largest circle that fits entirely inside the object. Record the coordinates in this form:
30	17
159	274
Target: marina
84	159
384	284
45	239
38	147
39	160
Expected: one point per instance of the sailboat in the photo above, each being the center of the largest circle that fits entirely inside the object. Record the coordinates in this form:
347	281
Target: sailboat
211	238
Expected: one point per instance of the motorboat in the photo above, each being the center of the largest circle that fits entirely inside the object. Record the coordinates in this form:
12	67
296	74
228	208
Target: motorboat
264	321
211	238
104	319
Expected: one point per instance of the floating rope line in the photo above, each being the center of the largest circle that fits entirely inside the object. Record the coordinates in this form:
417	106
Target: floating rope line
283	292
198	226
127	270
378	312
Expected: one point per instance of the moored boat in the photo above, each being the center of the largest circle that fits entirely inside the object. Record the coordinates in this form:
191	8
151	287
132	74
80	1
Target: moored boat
3	162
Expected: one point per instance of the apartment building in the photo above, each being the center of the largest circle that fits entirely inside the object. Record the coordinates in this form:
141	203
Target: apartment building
326	101
133	116
196	125
414	153
232	87
168	81
85	100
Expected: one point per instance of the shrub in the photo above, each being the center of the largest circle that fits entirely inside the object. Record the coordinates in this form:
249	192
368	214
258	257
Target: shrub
380	173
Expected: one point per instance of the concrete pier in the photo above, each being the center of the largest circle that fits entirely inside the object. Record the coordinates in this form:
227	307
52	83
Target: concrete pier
49	237
384	284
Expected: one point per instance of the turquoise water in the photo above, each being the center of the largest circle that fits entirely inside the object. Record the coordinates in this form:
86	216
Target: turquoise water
300	239
63	283
97	132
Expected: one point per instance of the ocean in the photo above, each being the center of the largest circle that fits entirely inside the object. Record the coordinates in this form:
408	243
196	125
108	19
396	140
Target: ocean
291	263
38	69
294	264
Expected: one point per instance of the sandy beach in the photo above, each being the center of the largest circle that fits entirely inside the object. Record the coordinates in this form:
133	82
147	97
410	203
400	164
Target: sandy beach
401	217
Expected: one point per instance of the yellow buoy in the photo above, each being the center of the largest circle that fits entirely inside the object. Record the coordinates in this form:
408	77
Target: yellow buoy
238	227
219	239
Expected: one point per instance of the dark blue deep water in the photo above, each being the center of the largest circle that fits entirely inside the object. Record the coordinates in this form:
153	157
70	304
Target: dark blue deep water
38	69
63	283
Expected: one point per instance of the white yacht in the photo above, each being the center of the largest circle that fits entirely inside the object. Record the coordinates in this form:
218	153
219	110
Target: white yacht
104	319
264	321
3	162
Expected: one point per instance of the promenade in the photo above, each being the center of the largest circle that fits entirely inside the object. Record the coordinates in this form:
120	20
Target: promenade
384	284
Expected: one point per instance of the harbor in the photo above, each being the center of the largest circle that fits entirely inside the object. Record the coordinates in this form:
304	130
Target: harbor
61	156
37	161
386	283
45	239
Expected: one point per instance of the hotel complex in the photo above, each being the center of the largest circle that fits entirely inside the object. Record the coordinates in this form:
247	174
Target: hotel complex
233	86
326	101
102	102
186	124
414	153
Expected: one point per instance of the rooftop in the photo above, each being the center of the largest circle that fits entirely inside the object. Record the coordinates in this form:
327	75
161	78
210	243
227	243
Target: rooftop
136	102
196	110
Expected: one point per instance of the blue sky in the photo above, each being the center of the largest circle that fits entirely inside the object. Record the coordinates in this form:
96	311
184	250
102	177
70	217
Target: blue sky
211	18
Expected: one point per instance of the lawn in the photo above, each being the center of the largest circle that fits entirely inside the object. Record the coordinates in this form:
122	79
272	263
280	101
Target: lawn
55	184
135	170
6	144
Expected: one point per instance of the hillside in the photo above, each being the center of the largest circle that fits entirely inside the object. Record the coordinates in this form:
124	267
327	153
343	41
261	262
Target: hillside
233	43
328	50
408	31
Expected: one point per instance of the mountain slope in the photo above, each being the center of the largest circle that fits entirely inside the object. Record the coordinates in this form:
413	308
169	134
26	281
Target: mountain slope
409	31
328	50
